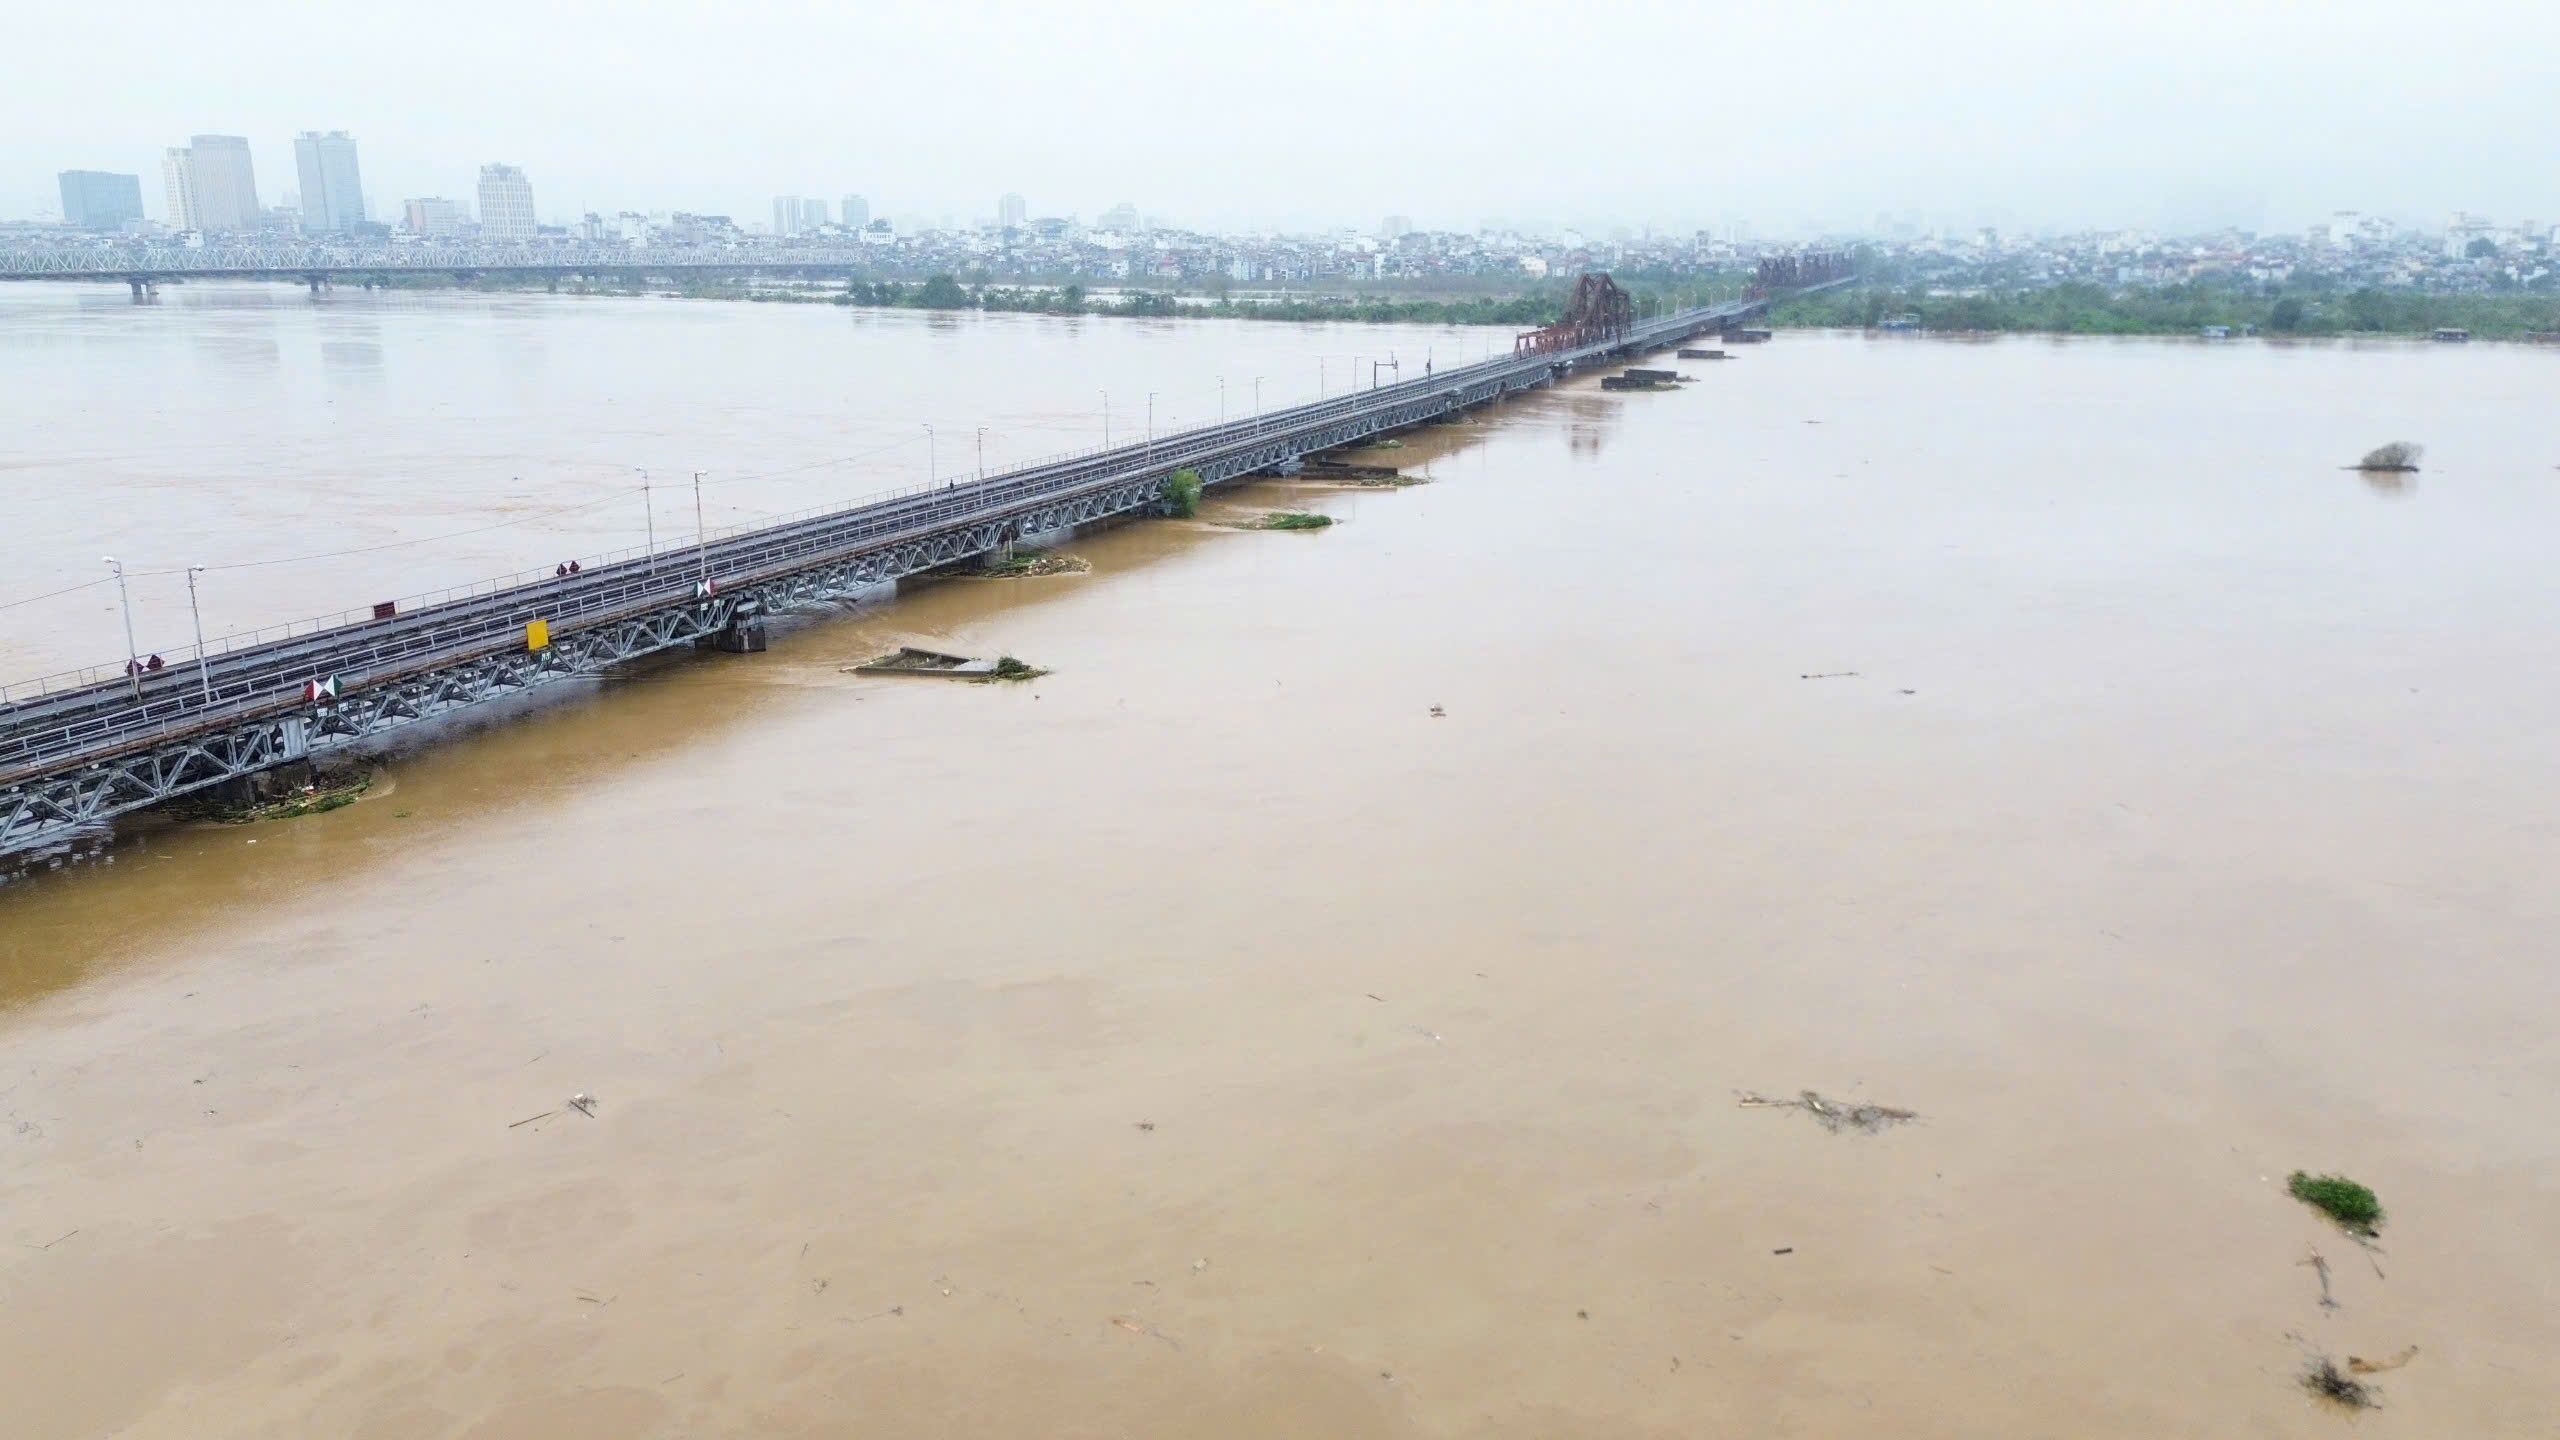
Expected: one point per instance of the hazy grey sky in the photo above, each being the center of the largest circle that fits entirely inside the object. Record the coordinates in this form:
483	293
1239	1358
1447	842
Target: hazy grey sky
2172	112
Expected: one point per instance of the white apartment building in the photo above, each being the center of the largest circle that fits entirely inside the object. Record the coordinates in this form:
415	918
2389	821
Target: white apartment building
506	203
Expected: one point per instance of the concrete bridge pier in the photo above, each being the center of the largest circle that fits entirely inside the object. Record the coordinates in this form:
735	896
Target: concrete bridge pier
144	291
317	283
745	635
244	792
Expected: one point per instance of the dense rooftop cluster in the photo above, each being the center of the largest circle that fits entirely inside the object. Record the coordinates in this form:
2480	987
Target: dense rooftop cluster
2351	252
2467	255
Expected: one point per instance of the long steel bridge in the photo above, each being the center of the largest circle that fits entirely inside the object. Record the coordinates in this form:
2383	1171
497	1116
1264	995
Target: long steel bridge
146	265
78	752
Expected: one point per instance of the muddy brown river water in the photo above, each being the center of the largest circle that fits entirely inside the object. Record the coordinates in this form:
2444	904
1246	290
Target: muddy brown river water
1320	1005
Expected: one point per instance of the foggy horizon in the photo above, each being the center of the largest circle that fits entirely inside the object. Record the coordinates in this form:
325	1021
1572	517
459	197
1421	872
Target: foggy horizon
2176	117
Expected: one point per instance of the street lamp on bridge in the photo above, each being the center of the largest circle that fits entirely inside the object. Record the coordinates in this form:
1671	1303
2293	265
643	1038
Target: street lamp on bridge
701	532
204	677
651	508
132	651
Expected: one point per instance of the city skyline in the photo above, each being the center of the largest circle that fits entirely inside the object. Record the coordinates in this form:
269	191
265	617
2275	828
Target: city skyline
333	199
326	166
1985	115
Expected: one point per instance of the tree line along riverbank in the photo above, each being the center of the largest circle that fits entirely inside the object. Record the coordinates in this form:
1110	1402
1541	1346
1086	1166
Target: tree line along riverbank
2082	309
2070	309
1542	304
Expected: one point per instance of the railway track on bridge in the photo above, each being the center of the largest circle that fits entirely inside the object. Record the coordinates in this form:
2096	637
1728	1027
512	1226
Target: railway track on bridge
75	756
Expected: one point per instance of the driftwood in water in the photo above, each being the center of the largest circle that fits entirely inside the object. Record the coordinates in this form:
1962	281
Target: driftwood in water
1835	1115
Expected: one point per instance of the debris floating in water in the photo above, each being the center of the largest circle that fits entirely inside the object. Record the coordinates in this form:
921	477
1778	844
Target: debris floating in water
2352	1204
2399	455
2359	1366
912	660
2323	1378
1835	1115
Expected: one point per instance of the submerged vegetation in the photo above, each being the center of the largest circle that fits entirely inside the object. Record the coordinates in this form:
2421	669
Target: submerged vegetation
2350	1204
1493	300
1294	520
318	798
1030	561
1182	492
1008	668
2298	307
2398	455
2323	1378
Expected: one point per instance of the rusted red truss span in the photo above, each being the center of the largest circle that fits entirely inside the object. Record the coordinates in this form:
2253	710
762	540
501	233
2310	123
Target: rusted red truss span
1597	311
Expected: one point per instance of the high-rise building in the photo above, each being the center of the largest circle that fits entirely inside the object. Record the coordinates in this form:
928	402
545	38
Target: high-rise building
857	212
226	183
98	200
796	215
1122	218
432	215
332	192
506	203
1011	212
211	185
178	175
1394	227
2461	231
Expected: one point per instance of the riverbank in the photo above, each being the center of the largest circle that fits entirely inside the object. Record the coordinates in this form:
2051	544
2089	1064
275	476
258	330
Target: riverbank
1529	306
2175	310
2058	310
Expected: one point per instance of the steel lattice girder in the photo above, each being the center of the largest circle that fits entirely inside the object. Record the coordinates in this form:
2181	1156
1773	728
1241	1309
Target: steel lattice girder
390	705
60	805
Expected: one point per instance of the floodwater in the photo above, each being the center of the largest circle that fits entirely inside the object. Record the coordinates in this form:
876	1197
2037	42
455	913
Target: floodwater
1212	1039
